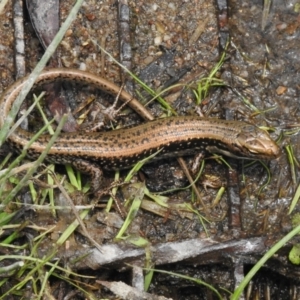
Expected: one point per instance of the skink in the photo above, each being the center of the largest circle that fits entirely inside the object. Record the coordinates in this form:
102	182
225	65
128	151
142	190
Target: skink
122	148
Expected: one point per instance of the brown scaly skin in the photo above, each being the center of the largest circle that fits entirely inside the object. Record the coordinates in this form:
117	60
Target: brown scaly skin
118	149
